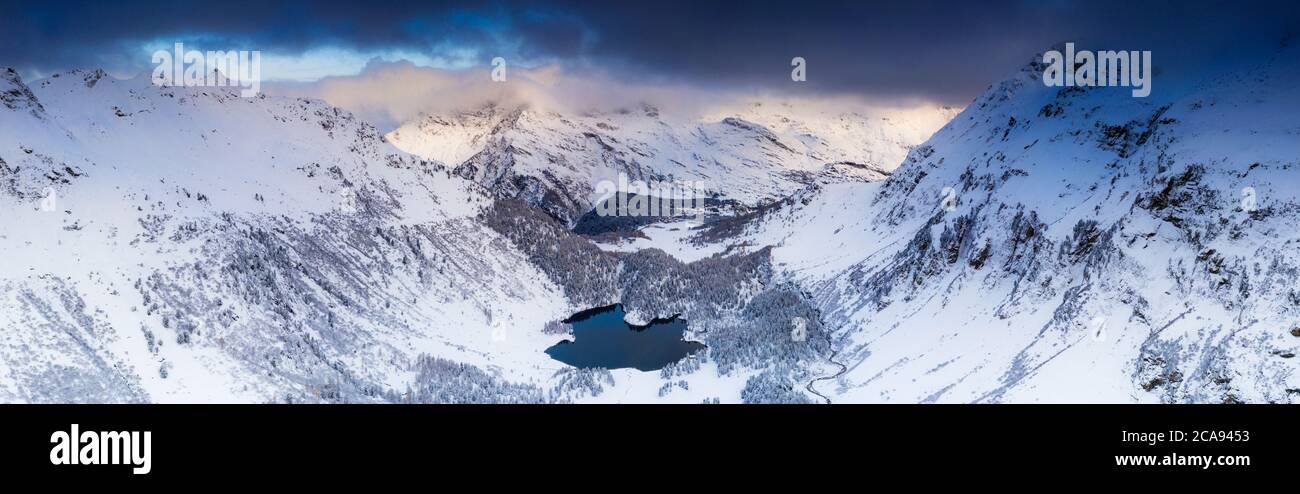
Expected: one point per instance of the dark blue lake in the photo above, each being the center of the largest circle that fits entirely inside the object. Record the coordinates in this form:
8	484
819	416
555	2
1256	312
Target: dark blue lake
601	338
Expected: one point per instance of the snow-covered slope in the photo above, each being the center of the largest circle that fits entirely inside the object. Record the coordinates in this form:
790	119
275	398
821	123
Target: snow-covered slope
1068	244
169	244
185	244
759	154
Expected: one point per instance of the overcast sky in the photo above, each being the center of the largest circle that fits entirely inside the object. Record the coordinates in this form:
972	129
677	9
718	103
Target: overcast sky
944	52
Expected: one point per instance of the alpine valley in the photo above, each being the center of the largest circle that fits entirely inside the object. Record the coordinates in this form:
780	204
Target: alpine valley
1045	244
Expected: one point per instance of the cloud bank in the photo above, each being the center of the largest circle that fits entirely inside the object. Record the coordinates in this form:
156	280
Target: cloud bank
391	93
944	51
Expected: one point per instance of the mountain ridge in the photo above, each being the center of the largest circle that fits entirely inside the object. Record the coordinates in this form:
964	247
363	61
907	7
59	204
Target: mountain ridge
1083	224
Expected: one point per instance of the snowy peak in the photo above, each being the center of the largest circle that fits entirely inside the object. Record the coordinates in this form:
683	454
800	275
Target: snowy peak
453	138
233	148
1069	244
164	243
15	95
757	155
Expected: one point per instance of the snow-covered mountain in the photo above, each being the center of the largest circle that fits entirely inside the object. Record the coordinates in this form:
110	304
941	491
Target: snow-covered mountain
1047	244
185	244
761	153
1068	245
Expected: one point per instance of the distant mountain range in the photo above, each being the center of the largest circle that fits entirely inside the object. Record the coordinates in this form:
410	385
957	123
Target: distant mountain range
1044	245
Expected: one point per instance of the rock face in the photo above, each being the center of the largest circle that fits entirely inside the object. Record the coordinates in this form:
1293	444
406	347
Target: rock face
1068	244
756	155
15	95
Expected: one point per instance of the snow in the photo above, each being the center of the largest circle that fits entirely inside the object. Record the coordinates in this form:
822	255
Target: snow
210	248
673	238
263	162
753	154
1017	330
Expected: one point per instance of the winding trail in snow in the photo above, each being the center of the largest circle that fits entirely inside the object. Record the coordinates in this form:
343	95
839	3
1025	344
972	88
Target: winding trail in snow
831	358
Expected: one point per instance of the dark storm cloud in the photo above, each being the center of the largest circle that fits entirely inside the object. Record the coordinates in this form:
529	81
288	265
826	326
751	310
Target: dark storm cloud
945	51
